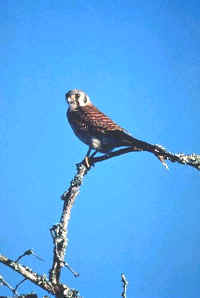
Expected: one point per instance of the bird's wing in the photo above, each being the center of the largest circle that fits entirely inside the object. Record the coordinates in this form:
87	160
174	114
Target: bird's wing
90	119
98	123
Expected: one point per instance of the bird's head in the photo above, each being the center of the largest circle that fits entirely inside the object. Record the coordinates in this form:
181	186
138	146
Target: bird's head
77	98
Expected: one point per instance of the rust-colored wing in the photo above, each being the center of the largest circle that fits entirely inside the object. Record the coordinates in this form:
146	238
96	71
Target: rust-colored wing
90	119
89	122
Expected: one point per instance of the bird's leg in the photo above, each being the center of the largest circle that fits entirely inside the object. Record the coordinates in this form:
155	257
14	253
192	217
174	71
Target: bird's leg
93	154
89	150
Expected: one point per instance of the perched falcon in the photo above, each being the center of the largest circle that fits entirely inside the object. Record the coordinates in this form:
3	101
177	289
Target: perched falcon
94	128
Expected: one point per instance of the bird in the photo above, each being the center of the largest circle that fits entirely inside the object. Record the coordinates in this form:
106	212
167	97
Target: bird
97	130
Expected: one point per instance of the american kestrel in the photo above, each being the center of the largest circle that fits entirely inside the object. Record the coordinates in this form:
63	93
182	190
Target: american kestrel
94	128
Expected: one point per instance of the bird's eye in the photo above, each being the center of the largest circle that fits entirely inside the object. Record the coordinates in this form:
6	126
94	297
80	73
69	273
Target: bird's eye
85	99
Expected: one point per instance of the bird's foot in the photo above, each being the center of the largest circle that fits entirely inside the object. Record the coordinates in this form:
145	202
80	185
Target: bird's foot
88	162
89	159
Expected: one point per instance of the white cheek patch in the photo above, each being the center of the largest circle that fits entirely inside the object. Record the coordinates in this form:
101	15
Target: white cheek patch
96	143
82	103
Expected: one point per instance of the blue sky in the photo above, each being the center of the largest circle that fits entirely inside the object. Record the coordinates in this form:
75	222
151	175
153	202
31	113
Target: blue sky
139	62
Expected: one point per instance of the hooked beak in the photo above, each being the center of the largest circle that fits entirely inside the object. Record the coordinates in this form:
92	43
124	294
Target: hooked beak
72	100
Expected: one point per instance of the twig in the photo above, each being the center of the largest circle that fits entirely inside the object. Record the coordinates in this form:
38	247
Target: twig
28	253
20	283
125	285
6	284
76	274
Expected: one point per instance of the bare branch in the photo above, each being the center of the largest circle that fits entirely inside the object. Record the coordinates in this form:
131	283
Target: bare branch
28	253
6	284
59	290
59	231
76	274
125	285
160	152
28	274
20	283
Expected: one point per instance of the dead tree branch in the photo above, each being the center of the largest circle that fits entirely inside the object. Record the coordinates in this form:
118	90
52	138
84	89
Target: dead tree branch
28	274
6	284
28	253
59	290
159	151
59	231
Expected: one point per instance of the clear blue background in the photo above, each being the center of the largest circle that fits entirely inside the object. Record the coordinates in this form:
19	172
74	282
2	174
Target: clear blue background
139	62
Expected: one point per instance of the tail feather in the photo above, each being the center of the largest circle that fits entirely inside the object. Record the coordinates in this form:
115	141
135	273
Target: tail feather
139	145
128	140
